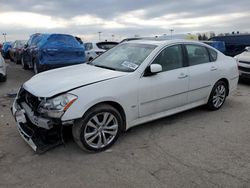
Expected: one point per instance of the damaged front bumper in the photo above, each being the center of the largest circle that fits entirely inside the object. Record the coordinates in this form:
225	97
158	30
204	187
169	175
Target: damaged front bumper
40	133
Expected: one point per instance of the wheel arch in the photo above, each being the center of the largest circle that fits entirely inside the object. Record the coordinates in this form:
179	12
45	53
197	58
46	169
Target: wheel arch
117	106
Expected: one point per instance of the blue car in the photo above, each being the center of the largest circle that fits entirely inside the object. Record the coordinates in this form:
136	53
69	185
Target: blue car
6	49
219	45
48	51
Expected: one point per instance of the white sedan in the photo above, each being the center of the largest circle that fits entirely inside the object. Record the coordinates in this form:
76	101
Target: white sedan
244	63
133	83
3	74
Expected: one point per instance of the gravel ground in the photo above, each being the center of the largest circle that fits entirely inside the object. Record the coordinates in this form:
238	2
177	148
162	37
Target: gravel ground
197	148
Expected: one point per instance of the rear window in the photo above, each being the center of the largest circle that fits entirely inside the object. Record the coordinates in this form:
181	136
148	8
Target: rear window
20	44
106	45
63	40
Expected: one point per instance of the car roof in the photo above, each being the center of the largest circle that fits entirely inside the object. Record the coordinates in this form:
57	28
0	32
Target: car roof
161	42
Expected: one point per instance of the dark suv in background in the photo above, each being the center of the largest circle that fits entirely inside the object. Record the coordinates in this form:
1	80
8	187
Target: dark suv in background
15	51
48	51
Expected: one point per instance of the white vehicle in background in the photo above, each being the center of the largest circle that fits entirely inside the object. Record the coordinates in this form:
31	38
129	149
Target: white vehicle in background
132	83
92	49
244	63
3	74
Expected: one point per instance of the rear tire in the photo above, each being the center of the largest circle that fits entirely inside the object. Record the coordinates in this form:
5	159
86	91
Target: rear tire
218	96
24	65
36	68
98	129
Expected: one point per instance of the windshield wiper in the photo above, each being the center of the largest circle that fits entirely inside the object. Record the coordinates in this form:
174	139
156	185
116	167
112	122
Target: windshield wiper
105	67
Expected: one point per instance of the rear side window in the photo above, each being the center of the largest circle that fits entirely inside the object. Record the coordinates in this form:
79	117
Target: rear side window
197	54
213	54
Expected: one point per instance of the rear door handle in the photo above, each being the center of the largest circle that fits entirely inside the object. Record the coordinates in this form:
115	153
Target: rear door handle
182	76
213	68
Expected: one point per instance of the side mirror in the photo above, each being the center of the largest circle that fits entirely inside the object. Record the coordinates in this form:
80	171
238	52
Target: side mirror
153	69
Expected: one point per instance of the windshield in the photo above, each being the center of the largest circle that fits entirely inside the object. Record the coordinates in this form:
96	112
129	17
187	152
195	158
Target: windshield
126	57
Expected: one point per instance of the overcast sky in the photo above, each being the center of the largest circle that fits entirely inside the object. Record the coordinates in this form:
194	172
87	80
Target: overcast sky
121	18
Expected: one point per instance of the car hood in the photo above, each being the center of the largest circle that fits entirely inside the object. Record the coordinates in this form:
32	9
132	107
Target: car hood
53	82
245	56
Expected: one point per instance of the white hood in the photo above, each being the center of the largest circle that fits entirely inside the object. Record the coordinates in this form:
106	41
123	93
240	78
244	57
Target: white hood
50	83
245	56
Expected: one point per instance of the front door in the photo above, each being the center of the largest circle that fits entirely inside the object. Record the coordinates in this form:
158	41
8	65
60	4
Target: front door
167	89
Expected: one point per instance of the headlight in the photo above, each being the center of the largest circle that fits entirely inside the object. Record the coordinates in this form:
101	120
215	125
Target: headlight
56	107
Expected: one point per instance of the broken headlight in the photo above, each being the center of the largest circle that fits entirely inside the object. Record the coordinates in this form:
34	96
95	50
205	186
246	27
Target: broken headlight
56	107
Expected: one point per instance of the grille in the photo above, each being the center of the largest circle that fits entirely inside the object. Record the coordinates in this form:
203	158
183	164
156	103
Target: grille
245	62
244	69
31	100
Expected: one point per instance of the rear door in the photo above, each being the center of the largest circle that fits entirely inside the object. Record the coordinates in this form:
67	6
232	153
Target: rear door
203	72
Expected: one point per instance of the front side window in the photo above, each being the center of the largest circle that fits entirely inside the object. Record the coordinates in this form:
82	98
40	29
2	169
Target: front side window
170	58
197	54
125	57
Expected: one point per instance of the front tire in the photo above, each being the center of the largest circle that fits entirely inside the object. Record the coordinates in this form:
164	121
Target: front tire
217	96
3	78
99	128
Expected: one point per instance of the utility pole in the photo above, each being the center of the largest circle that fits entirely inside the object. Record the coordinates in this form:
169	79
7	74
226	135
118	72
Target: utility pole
171	30
4	36
99	35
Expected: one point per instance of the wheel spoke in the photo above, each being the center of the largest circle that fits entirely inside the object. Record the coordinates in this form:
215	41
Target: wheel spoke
88	135
92	139
110	132
99	143
217	102
111	117
104	138
115	126
105	117
95	118
90	124
222	89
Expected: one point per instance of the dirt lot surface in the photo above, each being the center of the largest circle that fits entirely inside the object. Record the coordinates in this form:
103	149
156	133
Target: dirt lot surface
196	148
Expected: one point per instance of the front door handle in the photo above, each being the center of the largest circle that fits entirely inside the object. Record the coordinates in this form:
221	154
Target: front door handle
213	68
182	75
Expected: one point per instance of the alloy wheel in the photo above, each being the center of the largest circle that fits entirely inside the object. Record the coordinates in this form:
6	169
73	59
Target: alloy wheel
219	96
100	130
